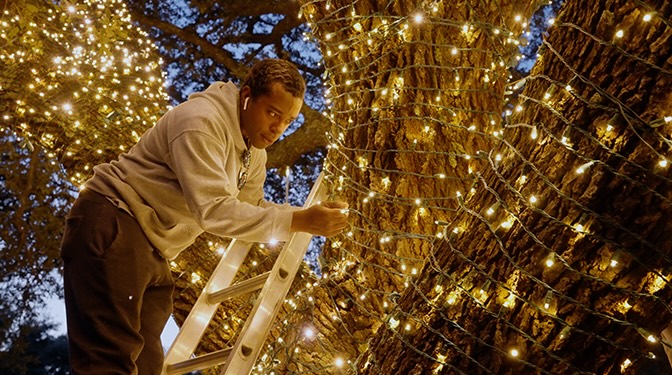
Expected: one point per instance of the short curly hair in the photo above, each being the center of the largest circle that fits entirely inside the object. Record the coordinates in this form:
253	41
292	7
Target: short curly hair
265	72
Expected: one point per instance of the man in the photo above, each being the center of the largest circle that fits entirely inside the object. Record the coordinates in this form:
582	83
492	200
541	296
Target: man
201	168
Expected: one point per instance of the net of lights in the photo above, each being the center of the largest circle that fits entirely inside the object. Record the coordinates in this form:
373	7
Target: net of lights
78	79
494	182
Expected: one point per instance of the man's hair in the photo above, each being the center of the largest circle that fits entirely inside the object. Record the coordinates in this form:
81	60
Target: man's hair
265	72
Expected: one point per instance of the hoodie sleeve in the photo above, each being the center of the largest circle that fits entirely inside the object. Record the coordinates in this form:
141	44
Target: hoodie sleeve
199	162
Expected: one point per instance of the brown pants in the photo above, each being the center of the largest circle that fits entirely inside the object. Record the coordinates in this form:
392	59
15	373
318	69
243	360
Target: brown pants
118	291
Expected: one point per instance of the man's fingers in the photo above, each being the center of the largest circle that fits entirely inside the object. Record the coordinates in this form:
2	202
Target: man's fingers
335	204
328	218
336	225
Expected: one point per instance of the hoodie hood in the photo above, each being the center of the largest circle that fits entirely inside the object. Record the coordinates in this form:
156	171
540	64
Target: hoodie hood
224	96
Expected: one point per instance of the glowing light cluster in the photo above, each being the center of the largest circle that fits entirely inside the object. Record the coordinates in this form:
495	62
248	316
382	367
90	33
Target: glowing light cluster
80	80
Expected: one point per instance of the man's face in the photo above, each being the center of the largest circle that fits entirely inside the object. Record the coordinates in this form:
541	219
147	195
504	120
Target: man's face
267	116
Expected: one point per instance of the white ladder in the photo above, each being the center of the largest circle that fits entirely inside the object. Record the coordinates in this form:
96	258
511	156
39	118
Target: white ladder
240	358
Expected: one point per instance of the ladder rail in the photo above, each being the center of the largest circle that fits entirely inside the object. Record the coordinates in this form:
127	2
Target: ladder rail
202	312
245	351
240	358
257	327
198	363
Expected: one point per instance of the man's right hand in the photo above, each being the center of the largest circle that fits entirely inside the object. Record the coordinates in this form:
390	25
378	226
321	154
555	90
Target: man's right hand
326	219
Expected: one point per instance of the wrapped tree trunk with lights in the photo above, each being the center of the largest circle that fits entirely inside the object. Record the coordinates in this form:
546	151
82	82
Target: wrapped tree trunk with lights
563	186
415	91
534	241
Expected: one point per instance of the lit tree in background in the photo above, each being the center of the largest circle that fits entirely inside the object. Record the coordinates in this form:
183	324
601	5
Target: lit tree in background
498	226
79	84
78	79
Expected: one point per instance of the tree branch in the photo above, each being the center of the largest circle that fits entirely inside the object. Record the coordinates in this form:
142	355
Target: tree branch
307	138
218	54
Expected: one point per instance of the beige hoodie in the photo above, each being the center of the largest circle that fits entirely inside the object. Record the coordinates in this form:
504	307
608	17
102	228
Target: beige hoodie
180	179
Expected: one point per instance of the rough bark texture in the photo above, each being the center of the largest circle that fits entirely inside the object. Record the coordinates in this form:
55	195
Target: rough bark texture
622	201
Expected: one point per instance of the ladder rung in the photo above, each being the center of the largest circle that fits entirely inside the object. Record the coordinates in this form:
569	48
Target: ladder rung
199	363
249	285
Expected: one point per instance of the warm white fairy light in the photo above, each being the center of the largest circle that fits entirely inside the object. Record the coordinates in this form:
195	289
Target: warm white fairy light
195	277
614	260
510	301
308	333
83	55
508	223
581	169
548	299
625	365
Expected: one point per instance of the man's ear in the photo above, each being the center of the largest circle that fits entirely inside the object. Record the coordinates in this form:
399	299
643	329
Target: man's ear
245	92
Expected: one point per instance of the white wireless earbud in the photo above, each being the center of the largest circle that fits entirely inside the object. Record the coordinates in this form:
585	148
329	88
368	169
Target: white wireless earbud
245	103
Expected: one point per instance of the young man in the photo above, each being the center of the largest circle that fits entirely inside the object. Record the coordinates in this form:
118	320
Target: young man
201	168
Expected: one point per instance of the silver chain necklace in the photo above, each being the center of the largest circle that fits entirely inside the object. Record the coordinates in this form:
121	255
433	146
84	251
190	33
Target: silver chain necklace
242	173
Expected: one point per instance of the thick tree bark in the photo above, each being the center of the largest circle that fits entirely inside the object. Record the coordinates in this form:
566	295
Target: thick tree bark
622	200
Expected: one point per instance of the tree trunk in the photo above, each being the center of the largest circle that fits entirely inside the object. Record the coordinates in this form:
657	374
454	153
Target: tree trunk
607	291
402	146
